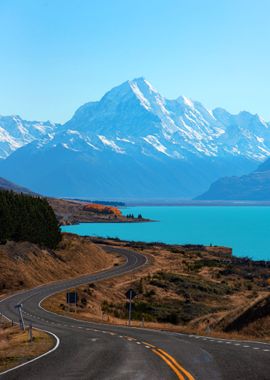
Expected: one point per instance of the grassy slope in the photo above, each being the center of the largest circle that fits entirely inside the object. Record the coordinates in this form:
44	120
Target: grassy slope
184	288
25	265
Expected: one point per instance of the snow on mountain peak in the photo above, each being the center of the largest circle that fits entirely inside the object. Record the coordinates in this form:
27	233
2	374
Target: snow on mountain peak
137	91
188	102
135	118
16	132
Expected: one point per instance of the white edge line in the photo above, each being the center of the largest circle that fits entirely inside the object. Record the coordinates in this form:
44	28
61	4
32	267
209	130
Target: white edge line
49	332
217	339
37	357
85	321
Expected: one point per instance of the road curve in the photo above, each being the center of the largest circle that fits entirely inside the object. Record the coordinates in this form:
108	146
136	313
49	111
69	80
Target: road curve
105	352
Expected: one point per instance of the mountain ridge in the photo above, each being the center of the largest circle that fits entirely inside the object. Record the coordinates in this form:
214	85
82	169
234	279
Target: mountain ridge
254	186
134	142
16	132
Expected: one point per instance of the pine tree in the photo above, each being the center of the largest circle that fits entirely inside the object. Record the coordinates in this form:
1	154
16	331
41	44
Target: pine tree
28	218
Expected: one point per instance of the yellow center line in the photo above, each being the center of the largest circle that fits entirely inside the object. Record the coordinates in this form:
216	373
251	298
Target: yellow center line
148	344
174	369
177	365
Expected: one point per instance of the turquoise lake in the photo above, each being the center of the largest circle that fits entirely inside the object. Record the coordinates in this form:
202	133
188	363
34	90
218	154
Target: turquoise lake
245	229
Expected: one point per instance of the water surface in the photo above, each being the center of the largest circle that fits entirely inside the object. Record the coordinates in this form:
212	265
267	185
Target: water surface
245	229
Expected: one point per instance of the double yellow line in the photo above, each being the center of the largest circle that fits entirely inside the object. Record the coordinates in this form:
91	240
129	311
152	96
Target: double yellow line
173	364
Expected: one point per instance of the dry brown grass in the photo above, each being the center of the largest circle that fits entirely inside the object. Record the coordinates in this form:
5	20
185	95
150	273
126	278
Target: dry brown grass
25	265
182	263
15	347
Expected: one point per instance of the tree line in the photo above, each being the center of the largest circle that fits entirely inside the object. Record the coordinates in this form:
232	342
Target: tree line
28	218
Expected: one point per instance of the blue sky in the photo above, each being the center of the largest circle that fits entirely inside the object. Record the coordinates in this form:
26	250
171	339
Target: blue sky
56	55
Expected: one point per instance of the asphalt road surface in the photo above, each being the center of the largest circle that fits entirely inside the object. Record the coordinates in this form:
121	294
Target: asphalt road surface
96	351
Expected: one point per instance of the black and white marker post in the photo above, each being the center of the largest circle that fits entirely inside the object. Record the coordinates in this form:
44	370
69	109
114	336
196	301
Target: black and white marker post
130	294
22	325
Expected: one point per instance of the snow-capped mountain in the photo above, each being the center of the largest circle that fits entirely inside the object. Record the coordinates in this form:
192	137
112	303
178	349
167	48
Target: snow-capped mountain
135	116
135	143
16	132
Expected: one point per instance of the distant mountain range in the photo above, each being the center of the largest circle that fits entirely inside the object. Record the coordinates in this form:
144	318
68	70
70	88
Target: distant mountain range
252	187
16	132
134	144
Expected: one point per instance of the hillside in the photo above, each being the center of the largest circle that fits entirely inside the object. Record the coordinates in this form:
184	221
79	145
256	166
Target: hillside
135	144
7	185
25	265
254	319
73	212
252	187
188	288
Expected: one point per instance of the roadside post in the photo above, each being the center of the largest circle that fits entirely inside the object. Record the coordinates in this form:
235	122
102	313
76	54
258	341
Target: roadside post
30	332
130	294
21	320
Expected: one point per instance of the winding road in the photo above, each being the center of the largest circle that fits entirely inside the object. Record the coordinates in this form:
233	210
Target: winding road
96	351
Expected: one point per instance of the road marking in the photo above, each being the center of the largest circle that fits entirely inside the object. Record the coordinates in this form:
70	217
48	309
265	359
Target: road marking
246	346
138	342
37	357
177	365
266	350
174	369
148	344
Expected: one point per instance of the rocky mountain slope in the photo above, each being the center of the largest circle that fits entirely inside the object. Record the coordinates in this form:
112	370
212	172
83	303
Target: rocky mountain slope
252	187
134	143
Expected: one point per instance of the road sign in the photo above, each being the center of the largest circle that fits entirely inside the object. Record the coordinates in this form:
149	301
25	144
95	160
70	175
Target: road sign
130	294
72	297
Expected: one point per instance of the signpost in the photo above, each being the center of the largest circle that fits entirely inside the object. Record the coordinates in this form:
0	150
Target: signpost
130	294
19	307
72	298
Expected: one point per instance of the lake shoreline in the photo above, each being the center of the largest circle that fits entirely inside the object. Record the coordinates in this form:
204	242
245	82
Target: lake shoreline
199	203
244	229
